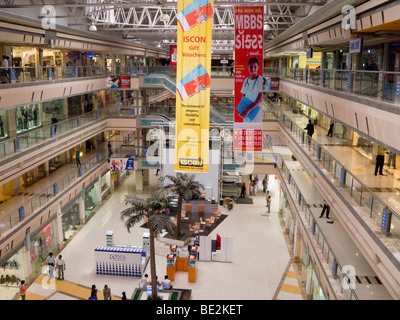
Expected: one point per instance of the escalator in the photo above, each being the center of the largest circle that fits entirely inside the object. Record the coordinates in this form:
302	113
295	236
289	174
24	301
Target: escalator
166	82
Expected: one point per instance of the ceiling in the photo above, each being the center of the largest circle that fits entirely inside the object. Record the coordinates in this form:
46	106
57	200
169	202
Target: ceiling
154	22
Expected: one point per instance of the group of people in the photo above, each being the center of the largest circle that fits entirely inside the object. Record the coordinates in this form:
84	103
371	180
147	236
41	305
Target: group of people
106	293
253	187
165	285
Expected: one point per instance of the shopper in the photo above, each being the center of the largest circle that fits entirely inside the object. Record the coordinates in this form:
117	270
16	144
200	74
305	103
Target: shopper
144	282
50	262
232	69
243	190
255	184
268	198
93	293
109	149
326	209
166	283
60	264
380	159
124	296
78	159
265	184
22	290
330	132
54	123
26	116
107	293
5	69
309	128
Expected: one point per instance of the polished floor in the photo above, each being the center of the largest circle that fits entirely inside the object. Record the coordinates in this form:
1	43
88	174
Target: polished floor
260	255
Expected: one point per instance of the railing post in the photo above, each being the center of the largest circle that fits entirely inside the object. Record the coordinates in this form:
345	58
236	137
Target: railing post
386	221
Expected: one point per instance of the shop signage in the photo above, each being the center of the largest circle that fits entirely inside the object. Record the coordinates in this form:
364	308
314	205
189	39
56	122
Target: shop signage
356	45
118	164
249	42
224	61
195	19
309	53
173	55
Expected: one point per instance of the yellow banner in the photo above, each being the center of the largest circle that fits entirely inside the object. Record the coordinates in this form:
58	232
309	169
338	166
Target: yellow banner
193	77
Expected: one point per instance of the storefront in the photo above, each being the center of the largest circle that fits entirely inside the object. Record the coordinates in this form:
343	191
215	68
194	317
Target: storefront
28	117
3	124
286	217
53	107
13	269
70	218
91	199
25	57
42	243
105	185
371	58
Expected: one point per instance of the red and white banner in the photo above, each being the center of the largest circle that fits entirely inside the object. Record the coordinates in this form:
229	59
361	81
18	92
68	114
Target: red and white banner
173	55
249	81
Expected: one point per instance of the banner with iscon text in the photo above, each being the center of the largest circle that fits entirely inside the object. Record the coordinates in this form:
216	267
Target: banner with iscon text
195	18
249	81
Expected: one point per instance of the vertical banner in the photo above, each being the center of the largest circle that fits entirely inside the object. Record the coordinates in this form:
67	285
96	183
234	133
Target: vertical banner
173	55
249	81
193	85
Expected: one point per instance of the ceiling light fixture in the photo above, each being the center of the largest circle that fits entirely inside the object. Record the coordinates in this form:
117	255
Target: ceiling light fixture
92	27
164	17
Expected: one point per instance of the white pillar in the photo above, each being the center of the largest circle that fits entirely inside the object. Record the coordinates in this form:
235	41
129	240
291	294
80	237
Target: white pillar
82	215
59	228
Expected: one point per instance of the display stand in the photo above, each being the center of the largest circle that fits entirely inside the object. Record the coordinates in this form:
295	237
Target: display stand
122	260
192	269
182	262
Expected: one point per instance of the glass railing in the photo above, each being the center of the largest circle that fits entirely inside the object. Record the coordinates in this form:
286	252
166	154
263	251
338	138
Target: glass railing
375	84
43	134
331	259
346	182
27	208
33	74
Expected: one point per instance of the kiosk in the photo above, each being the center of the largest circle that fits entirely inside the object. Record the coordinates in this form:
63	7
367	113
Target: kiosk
186	262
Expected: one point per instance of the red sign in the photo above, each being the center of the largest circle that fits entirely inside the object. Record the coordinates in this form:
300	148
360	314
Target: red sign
125	82
249	81
173	55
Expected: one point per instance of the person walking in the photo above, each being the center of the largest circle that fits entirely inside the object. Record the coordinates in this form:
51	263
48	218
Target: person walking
50	262
265	184
380	159
22	290
330	132
309	128
326	209
243	190
78	159
124	296
109	149
232	69
54	124
93	293
60	265
107	293
268	199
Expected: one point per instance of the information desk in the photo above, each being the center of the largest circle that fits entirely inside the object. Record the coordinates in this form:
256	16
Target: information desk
123	261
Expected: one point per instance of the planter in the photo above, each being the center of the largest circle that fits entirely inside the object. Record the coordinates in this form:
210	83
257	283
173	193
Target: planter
170	240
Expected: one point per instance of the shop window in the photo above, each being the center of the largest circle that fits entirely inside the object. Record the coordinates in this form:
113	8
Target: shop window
91	199
28	117
70	220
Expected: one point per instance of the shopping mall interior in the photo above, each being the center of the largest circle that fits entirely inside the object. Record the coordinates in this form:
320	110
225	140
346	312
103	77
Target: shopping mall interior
90	115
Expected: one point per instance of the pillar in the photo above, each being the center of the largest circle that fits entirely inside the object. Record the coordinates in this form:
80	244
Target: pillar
99	198
17	186
139	180
146	177
59	228
82	215
46	167
65	108
11	123
42	115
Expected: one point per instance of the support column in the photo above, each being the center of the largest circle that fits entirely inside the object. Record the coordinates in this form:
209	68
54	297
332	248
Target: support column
11	123
59	228
99	198
17	186
42	115
139	180
82	216
46	167
65	108
146	177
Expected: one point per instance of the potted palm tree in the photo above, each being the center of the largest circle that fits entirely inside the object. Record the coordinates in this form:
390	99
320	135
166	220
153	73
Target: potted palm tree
150	209
184	186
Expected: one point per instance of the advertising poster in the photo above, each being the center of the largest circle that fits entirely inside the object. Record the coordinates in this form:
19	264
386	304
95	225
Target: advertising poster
271	84
173	55
118	82
118	164
193	70
249	80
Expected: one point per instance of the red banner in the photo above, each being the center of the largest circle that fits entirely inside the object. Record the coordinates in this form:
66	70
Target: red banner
249	81
173	55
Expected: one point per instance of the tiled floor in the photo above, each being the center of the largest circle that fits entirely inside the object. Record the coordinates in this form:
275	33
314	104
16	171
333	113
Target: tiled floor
260	254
